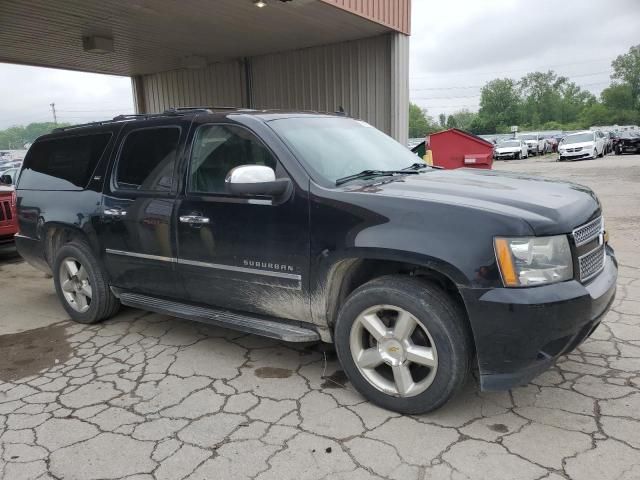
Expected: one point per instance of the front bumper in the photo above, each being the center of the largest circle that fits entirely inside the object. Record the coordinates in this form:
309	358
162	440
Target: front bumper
575	155
507	155
520	332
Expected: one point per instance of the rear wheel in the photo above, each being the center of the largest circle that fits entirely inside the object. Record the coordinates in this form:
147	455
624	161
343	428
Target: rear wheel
404	344
81	285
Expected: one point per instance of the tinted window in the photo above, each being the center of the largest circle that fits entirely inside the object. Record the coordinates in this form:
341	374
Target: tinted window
63	163
147	159
219	148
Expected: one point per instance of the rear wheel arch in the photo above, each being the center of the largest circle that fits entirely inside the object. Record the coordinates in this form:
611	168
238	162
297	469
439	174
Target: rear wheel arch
56	235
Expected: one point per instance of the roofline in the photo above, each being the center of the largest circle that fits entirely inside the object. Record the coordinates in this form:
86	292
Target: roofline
465	134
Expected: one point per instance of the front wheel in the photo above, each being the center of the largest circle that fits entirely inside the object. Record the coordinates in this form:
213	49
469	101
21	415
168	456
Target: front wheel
517	156
404	344
81	284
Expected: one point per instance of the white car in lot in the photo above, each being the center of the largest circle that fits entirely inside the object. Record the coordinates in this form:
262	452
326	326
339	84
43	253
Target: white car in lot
515	149
579	145
536	143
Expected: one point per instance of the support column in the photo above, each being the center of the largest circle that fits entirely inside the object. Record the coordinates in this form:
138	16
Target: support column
400	87
137	86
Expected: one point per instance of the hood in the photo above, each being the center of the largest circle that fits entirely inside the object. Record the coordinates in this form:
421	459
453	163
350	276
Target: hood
549	206
588	144
507	149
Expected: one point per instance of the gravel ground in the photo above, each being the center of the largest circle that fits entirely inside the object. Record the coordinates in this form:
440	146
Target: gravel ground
144	396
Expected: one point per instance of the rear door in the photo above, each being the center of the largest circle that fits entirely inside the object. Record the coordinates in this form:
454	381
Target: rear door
246	253
139	205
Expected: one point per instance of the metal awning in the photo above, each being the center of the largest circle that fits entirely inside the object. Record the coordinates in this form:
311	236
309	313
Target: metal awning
151	36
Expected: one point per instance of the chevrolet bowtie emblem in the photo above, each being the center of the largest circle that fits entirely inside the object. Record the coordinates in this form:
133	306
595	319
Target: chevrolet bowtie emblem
393	349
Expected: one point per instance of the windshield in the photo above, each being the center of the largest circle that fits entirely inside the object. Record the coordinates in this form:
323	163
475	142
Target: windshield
578	138
529	137
332	148
512	143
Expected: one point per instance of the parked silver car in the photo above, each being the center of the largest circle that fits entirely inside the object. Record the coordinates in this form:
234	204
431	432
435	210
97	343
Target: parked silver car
508	149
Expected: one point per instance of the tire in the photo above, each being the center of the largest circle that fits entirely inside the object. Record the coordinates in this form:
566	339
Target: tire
517	156
595	153
99	302
438	323
618	150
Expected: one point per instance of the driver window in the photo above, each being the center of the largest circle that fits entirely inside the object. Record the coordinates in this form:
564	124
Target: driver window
219	148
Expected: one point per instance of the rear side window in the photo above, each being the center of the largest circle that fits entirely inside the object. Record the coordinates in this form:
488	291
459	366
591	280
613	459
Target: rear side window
63	163
147	159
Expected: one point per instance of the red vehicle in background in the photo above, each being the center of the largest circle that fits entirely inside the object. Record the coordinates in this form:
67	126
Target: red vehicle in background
8	216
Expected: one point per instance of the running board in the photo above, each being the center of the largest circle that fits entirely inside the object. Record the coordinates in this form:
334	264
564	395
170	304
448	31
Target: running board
222	318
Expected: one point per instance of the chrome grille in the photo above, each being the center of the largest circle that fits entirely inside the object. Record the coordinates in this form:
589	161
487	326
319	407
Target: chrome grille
592	263
587	232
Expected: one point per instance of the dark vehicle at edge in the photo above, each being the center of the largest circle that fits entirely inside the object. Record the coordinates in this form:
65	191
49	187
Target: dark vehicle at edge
306	227
626	142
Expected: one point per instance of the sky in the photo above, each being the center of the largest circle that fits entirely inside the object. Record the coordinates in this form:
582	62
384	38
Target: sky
459	45
456	47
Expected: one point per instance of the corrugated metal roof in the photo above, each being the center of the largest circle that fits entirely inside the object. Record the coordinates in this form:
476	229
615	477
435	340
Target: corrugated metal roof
155	35
394	14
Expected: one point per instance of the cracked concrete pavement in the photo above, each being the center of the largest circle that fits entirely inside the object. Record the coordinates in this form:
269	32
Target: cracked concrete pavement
145	396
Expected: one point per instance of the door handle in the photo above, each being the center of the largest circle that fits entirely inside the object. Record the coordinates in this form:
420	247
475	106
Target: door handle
115	212
194	219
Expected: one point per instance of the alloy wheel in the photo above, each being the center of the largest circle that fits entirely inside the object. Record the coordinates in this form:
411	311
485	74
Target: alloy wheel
393	350
75	285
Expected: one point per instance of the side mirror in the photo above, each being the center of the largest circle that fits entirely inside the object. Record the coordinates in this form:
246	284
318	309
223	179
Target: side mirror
255	180
6	179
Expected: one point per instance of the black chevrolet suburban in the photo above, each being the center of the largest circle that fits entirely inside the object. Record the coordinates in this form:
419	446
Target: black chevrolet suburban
306	227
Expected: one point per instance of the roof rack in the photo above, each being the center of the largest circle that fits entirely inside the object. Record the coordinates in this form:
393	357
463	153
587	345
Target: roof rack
205	109
144	116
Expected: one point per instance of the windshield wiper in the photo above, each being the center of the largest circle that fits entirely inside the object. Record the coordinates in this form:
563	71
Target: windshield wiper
416	166
373	173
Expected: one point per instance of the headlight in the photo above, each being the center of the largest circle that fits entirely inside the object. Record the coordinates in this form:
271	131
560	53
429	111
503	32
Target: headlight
526	261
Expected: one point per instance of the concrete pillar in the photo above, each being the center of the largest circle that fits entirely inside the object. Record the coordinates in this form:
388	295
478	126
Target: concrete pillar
400	87
137	86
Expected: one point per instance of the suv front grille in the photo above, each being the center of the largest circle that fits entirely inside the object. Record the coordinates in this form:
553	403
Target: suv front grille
587	232
592	263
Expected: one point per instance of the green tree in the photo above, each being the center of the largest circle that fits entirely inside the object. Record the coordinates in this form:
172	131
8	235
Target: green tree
442	120
626	68
499	106
572	102
461	119
617	96
541	97
420	123
596	114
17	136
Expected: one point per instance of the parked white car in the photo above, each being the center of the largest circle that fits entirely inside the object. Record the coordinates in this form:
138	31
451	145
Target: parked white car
515	149
579	145
536	143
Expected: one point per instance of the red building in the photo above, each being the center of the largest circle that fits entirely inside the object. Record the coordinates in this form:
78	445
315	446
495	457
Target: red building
455	148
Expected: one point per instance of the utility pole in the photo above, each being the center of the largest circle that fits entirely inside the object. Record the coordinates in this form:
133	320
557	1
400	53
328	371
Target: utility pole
53	110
